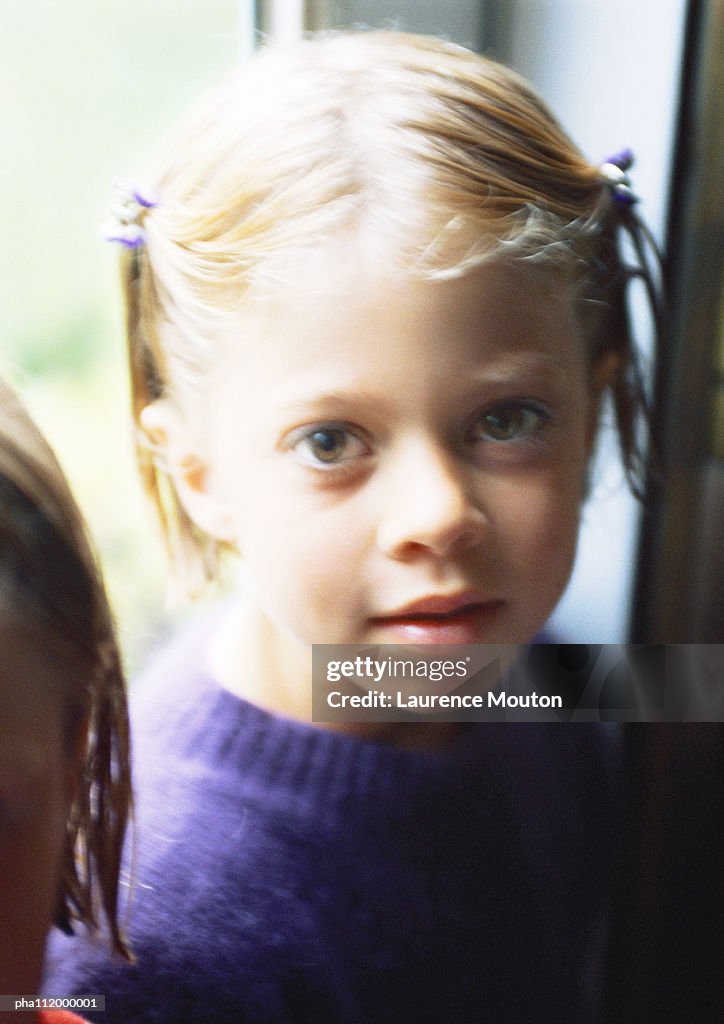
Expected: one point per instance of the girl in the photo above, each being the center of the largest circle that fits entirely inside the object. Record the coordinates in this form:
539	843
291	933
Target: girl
64	771
374	303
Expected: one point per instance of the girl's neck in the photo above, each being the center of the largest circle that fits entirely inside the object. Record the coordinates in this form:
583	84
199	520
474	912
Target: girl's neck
255	661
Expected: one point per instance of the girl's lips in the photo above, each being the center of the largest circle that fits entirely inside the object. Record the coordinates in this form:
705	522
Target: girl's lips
461	623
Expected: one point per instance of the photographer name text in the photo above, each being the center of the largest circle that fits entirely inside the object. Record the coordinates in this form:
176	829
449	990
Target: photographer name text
443	701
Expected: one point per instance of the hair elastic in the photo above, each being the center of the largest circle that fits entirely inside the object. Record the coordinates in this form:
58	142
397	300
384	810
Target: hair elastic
127	215
613	172
648	255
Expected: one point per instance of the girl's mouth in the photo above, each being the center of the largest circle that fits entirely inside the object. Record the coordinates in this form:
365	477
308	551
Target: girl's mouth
430	622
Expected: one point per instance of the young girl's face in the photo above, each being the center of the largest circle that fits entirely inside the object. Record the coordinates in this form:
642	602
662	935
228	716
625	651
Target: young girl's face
35	779
403	461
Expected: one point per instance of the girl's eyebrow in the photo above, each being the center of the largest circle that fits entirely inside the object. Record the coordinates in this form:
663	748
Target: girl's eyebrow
520	364
312	391
336	397
508	370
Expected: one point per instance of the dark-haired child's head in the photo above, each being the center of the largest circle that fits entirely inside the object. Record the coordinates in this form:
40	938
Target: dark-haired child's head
64	769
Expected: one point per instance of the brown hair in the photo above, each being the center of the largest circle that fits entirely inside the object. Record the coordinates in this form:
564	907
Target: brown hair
428	154
51	592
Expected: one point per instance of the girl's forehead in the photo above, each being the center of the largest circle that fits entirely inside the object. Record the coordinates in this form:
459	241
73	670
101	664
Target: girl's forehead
492	292
499	322
367	250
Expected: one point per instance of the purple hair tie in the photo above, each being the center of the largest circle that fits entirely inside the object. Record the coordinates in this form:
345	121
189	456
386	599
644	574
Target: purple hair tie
613	172
127	215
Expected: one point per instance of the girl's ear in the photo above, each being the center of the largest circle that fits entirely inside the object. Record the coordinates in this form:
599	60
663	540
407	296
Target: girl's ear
604	373
169	439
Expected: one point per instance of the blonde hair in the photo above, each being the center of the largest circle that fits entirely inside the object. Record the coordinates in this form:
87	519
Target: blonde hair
424	153
51	593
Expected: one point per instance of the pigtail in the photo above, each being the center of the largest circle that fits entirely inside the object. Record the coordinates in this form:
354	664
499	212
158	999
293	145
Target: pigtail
634	256
628	395
145	364
193	557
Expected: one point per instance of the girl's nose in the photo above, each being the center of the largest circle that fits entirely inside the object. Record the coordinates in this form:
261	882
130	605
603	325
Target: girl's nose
429	507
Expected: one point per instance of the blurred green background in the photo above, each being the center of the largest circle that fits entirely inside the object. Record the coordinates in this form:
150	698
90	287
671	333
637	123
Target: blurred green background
87	90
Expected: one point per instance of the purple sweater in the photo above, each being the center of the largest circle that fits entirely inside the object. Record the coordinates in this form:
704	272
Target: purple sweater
285	873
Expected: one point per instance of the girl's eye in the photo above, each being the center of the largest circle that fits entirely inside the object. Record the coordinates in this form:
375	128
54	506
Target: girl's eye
508	423
329	446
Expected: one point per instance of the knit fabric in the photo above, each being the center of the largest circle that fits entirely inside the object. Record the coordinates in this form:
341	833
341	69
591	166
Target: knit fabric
287	873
